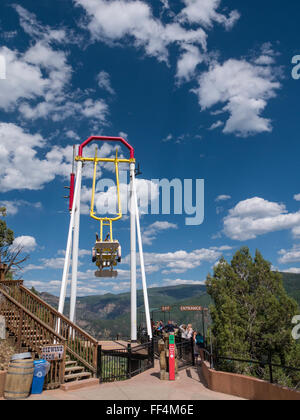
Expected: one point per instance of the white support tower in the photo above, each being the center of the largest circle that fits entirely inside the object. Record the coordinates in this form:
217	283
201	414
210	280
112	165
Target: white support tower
72	249
133	290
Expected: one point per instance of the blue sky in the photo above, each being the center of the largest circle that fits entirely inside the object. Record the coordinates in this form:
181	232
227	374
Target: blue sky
201	88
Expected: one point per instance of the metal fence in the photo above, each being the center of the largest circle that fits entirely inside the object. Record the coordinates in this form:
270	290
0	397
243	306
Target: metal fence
122	364
263	369
185	350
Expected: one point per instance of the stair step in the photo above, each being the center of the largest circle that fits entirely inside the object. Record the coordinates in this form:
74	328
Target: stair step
74	369
78	376
84	383
71	363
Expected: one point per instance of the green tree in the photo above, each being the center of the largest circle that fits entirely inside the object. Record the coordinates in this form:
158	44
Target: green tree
10	255
252	312
6	235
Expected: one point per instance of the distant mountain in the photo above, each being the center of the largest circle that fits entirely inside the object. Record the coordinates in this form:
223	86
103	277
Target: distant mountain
291	284
109	315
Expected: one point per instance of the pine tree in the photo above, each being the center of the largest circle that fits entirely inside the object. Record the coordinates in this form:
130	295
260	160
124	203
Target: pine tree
9	255
6	235
252	312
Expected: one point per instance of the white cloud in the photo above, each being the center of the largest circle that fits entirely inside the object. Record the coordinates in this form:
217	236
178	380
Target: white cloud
36	30
53	287
57	262
152	231
72	135
13	207
297	197
289	256
188	62
26	243
134	21
256	216
97	110
38	79
179	282
20	166
243	89
24	80
168	138
204	12
103	80
216	125
54	263
179	262
25	162
292	270
106	202
223	198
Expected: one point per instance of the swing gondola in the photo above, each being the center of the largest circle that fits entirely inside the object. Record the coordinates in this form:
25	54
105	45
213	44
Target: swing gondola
106	253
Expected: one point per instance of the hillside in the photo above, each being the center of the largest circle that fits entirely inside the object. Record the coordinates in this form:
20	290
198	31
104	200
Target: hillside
291	284
108	315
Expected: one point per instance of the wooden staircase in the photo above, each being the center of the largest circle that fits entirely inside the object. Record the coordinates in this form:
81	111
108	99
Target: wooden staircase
74	372
34	324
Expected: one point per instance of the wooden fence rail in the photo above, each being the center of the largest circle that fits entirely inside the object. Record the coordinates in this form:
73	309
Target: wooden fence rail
32	332
80	345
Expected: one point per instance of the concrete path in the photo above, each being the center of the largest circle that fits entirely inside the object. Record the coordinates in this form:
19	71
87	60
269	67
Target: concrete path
147	386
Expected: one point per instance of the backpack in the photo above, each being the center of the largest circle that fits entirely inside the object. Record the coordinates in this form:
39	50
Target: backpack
199	339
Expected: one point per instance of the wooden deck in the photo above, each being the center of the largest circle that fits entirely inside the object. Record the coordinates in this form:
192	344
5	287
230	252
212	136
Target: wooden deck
116	345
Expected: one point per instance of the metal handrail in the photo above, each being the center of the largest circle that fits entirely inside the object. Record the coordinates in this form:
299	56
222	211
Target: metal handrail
213	358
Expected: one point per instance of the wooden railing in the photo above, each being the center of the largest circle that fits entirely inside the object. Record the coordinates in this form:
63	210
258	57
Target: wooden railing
32	332
80	345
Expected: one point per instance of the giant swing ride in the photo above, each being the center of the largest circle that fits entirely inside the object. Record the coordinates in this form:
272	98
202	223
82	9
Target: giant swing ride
106	253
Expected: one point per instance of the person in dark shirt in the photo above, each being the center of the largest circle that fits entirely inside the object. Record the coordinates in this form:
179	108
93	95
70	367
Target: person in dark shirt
169	328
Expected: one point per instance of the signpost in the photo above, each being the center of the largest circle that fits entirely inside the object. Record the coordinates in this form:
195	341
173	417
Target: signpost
172	357
53	353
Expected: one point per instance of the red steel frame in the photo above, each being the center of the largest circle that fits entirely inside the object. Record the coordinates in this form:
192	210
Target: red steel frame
100	138
72	188
83	145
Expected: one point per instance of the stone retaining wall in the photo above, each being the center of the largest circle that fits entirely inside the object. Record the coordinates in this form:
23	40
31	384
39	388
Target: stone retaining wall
246	386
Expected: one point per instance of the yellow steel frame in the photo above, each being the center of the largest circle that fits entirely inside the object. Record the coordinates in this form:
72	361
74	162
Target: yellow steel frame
105	221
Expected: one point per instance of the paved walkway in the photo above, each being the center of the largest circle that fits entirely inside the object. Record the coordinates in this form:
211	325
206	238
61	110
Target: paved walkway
147	386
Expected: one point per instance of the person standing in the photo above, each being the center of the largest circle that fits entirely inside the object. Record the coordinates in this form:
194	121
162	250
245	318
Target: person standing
169	328
189	331
183	331
199	341
196	348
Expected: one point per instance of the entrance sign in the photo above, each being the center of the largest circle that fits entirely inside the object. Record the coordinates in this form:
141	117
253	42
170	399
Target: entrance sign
52	353
191	308
172	357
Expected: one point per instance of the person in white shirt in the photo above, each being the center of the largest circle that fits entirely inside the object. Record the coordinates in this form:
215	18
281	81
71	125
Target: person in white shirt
183	331
189	331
